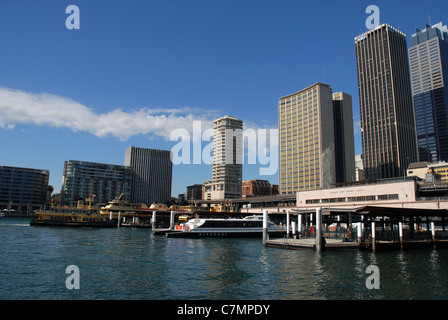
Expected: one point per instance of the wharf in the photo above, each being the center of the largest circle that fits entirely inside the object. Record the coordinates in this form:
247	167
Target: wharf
310	243
162	231
338	244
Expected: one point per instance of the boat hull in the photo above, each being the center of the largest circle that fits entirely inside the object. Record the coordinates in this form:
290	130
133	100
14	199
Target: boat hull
222	234
105	224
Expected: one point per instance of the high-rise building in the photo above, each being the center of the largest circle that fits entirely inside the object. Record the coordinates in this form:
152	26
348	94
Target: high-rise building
387	114
227	171
152	172
106	182
311	126
23	190
428	58
343	137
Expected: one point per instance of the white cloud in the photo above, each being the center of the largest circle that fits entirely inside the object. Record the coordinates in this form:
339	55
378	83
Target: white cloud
19	107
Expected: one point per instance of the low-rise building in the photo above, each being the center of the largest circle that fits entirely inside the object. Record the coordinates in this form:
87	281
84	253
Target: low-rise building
256	188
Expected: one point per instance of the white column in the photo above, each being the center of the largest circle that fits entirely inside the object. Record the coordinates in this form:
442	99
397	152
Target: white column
319	229
153	220
359	232
433	232
172	220
299	226
400	232
373	237
287	224
265	226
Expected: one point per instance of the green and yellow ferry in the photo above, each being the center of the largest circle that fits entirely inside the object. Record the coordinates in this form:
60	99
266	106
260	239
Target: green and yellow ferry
86	214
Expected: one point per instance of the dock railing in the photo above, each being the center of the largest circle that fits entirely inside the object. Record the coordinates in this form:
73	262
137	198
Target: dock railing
389	233
328	232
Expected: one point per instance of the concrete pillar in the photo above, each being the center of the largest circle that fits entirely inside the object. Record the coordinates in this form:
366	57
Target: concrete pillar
154	220
400	232
373	237
265	227
293	227
359	232
172	220
433	233
299	226
288	225
319	240
119	219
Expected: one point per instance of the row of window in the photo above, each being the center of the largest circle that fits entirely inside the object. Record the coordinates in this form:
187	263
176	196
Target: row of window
354	199
86	219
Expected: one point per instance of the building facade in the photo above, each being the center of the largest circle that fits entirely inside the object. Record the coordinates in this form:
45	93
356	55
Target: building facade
422	169
428	58
359	168
106	182
256	188
194	192
152	172
365	194
387	114
310	136
22	190
344	137
227	169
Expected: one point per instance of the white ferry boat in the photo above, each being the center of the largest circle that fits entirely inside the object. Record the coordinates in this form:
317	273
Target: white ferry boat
251	226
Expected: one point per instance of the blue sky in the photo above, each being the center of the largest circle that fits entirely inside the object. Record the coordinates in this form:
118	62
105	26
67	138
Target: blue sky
138	69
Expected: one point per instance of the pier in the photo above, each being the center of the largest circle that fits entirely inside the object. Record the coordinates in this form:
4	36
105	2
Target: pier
363	228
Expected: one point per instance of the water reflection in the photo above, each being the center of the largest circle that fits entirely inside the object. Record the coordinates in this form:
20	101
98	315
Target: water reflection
134	264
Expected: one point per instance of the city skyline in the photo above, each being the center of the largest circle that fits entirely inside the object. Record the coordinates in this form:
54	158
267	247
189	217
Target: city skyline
135	71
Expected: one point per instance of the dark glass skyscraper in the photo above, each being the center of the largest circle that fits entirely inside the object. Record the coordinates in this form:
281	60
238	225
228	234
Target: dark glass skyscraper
387	114
152	172
428	56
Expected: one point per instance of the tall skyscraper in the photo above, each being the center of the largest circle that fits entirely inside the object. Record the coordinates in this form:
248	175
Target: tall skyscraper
389	140
81	179
428	58
309	134
343	137
227	174
152	172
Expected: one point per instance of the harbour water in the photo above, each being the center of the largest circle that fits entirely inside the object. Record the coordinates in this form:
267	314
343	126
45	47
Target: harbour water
127	263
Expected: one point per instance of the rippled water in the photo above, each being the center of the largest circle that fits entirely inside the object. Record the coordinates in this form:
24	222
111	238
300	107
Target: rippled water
128	263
